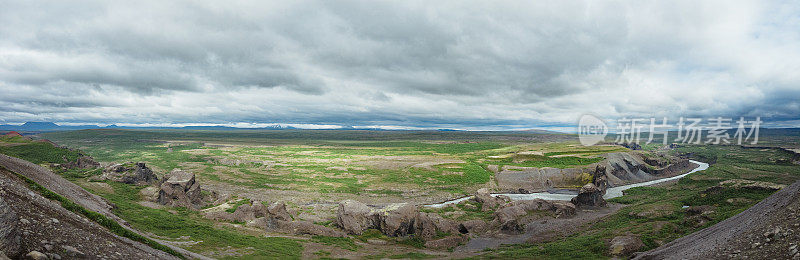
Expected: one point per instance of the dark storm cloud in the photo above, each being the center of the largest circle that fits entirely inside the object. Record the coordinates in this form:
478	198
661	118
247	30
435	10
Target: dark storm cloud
404	63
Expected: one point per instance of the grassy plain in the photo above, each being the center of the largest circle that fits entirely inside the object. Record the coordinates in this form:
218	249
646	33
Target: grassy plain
656	214
389	166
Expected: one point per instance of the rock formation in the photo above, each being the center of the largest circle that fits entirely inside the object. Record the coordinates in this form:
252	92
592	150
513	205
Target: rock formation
130	173
512	216
308	228
354	217
617	169
488	201
179	189
623	246
396	220
83	162
9	234
589	196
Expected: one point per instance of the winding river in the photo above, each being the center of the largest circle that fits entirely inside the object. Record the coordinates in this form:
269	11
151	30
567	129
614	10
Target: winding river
610	192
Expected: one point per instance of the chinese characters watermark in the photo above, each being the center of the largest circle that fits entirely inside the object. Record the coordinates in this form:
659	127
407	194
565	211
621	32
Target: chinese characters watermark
592	130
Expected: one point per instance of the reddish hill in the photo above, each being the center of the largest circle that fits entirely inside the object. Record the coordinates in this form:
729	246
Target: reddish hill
12	134
47	141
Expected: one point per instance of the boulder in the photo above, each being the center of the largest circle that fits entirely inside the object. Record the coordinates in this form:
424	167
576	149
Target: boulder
589	196
308	228
354	217
259	210
244	213
394	220
36	255
515	215
220	215
9	230
397	220
179	189
83	162
130	173
277	210
624	245
488	201
428	225
149	193
474	226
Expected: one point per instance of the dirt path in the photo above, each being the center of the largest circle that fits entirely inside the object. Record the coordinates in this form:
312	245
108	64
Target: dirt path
768	230
76	194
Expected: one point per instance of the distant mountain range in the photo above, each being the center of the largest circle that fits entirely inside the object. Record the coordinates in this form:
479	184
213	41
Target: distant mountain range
50	126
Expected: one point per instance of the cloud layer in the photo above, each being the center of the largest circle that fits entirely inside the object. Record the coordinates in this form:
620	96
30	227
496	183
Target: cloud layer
456	64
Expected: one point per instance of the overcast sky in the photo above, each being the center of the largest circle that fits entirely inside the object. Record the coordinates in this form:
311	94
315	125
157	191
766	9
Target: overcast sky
397	64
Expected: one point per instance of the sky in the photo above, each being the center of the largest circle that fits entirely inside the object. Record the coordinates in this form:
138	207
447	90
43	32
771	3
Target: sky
473	65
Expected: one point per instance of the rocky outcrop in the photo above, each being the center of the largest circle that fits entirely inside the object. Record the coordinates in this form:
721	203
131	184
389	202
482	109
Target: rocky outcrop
428	225
130	173
474	226
589	196
623	246
632	146
767	230
9	232
254	214
83	162
277	210
354	217
308	228
179	189
487	201
617	169
396	220
513	216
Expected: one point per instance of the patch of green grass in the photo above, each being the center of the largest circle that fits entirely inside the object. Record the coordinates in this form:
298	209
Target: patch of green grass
413	241
184	222
341	242
40	153
540	161
412	255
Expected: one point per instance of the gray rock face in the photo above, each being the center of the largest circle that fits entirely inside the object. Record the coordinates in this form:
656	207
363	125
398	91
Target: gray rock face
179	189
397	219
308	228
277	210
512	216
244	213
427	225
354	217
472	226
589	196
255	214
624	245
83	162
130	173
489	203
9	233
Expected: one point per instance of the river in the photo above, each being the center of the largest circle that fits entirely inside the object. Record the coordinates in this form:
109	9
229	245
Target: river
610	192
